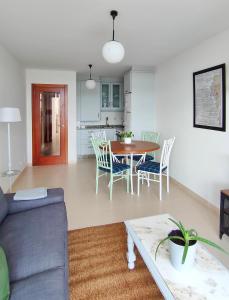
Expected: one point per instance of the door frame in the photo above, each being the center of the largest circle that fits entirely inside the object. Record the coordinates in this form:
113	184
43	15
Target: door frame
36	127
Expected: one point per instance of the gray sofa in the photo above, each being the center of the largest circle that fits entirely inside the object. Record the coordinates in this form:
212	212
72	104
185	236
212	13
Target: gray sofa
33	234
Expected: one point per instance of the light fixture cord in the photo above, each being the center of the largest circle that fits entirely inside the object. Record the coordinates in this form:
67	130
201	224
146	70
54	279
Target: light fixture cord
90	70
113	29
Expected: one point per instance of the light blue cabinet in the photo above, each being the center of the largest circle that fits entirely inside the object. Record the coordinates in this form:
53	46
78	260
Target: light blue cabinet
111	96
89	102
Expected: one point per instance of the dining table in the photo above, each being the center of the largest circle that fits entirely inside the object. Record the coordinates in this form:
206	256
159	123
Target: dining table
130	150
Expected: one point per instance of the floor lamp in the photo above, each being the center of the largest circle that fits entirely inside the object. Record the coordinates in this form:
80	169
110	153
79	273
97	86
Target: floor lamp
9	115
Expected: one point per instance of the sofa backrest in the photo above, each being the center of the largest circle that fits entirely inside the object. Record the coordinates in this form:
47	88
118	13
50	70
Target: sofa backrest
3	206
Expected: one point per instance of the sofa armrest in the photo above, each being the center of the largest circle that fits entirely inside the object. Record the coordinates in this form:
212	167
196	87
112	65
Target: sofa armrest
53	196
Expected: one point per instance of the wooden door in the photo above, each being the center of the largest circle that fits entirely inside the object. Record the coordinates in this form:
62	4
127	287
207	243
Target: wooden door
49	123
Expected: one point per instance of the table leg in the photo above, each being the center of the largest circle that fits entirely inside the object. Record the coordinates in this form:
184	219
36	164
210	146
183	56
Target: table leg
131	173
131	257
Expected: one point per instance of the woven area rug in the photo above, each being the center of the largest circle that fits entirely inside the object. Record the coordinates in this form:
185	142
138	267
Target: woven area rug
98	266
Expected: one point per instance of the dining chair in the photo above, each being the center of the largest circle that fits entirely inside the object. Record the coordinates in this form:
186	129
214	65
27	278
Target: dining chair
149	136
154	168
102	136
107	163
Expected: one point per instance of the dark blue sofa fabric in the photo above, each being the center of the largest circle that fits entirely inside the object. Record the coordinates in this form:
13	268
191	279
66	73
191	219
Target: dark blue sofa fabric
48	285
3	206
34	240
34	237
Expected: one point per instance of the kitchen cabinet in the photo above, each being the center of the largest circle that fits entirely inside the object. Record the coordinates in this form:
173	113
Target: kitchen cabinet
84	146
89	102
111	96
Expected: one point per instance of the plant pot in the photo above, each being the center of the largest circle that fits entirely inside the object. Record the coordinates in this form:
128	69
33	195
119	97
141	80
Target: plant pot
127	140
176	251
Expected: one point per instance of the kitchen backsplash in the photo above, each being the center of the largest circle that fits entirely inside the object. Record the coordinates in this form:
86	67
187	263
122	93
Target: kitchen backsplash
114	118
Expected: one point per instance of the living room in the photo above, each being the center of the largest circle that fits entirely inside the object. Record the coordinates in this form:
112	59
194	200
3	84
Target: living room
167	45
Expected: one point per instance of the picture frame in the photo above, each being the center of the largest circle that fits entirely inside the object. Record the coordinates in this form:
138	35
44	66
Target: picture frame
209	98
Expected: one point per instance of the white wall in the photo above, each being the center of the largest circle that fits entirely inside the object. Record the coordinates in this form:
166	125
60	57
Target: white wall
200	159
142	106
12	91
53	77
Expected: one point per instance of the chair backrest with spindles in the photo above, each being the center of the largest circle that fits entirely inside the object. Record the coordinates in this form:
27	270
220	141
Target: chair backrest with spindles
99	135
103	153
166	151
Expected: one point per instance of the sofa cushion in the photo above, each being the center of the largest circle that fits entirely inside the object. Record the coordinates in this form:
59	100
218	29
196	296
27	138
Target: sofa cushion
3	206
48	285
35	240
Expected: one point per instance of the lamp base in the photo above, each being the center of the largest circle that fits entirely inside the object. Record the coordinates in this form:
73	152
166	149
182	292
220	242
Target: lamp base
10	173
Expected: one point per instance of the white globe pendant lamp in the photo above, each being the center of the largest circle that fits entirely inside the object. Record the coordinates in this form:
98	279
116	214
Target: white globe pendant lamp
90	83
113	51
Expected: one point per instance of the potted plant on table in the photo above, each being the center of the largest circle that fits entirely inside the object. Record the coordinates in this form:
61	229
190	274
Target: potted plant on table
126	136
182	246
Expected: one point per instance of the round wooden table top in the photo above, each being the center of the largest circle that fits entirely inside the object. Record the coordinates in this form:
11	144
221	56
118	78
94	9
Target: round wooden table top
136	147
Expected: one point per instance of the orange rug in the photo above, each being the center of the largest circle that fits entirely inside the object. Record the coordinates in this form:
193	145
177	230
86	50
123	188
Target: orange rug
98	267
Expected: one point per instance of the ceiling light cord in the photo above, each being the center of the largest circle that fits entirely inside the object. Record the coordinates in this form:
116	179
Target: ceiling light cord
90	70
113	29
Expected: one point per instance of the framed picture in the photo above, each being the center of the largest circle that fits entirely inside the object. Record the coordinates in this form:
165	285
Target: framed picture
209	98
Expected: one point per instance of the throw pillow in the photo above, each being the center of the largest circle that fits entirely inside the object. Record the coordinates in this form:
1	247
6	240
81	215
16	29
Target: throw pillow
4	277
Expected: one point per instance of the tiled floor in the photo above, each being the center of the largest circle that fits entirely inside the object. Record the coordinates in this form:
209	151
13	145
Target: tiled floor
85	208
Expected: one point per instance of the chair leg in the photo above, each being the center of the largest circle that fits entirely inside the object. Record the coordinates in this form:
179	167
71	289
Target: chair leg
167	175
111	186
97	181
148	179
160	182
138	182
127	180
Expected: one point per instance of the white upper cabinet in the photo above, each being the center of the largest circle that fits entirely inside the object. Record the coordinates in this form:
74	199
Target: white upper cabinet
111	96
89	102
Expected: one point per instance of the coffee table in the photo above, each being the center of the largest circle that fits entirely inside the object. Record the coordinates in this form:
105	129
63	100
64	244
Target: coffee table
208	279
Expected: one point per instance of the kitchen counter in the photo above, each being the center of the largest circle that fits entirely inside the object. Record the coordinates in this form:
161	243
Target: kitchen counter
101	127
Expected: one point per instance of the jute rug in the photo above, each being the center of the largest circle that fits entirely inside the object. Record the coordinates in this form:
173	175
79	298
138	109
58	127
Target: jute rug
98	266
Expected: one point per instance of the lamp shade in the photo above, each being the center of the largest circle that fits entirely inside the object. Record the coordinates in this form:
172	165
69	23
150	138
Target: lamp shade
113	52
90	84
10	114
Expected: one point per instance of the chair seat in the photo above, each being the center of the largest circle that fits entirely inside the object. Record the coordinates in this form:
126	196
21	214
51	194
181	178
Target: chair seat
117	168
147	157
150	166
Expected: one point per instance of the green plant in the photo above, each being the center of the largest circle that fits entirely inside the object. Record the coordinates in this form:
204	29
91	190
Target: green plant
126	134
185	237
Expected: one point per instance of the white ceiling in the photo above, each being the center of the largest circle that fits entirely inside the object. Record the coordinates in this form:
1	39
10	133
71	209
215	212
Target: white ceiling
69	34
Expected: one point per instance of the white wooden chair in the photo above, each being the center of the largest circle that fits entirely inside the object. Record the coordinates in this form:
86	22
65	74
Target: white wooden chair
154	168
106	163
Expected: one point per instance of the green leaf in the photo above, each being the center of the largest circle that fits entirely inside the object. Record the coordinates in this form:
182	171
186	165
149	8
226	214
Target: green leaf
185	251
210	243
165	239
177	224
192	232
182	227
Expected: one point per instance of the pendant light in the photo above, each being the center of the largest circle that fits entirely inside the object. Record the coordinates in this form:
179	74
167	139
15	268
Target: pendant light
113	51
90	83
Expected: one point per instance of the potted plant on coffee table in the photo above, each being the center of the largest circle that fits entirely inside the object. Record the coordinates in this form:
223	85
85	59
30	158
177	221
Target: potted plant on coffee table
126	136
182	246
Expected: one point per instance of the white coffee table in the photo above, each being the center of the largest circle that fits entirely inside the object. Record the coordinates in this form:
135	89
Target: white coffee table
208	279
